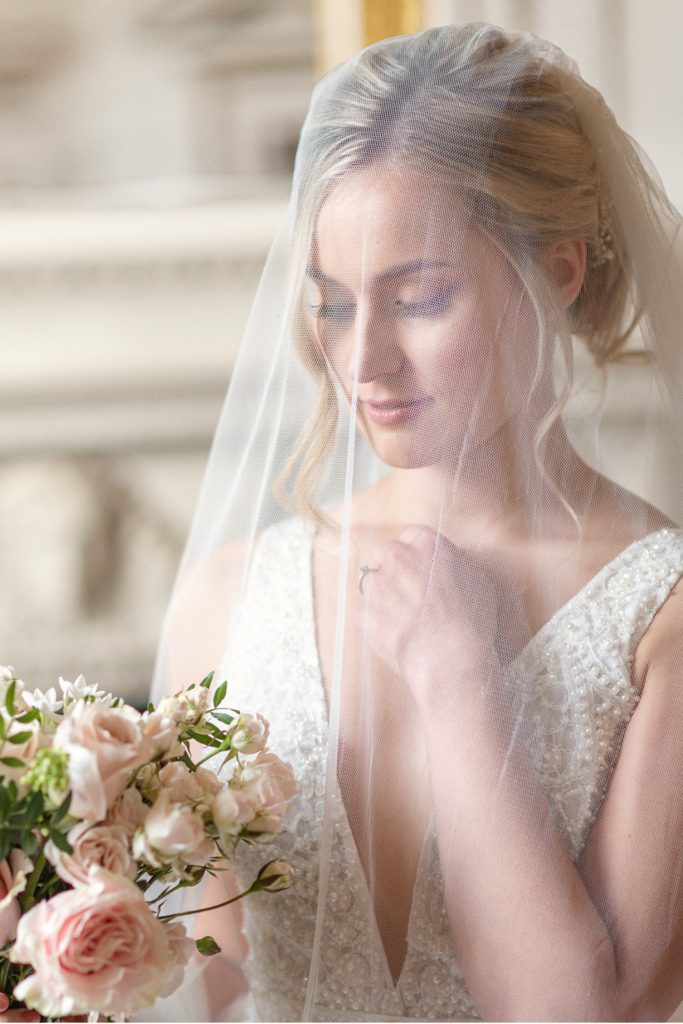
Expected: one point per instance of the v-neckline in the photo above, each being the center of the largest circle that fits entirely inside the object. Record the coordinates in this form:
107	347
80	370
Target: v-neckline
395	986
580	594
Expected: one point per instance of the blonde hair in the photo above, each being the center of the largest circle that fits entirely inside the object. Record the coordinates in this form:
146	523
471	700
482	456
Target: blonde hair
489	112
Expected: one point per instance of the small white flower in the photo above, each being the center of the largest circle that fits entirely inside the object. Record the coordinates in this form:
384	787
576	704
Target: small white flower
80	689
7	677
46	702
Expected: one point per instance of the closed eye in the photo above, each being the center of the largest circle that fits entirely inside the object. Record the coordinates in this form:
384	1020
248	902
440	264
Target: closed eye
432	307
342	312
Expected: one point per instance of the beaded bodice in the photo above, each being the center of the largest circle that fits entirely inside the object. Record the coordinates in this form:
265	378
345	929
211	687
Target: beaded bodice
572	687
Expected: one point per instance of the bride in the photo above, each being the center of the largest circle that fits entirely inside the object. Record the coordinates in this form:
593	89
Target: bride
466	636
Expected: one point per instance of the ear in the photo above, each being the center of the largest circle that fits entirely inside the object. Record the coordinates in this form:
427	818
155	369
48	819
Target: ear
566	263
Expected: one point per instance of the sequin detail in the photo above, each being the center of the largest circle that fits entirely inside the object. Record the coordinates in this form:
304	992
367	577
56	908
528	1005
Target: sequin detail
572	687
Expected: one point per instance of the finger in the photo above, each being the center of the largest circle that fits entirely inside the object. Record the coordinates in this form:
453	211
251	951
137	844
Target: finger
418	534
4	1002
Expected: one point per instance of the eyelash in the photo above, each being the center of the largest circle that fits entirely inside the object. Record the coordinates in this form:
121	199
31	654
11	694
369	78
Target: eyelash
344	312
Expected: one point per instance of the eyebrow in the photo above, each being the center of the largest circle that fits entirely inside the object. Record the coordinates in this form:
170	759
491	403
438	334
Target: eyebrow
401	269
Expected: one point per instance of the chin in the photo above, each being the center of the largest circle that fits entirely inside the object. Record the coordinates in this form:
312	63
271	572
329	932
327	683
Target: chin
408	452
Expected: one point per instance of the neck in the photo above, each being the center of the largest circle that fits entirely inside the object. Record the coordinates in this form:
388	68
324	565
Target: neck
498	492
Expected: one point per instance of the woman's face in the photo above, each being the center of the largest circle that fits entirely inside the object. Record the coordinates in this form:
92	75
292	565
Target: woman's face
408	297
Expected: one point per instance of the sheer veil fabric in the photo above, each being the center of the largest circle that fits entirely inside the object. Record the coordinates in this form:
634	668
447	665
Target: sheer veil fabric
410	553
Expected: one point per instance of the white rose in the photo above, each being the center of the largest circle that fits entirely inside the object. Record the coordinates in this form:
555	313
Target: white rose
231	809
174	709
186	707
250	733
106	845
163	733
173	834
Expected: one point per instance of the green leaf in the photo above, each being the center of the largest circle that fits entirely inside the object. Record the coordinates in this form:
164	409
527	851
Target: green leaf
207	946
222	717
29	716
2	728
35	806
20	737
219	695
207	680
150	707
28	843
9	697
5	846
4	802
61	810
12	762
202	737
61	842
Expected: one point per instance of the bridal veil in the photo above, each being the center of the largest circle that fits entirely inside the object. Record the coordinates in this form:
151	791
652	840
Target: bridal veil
458	401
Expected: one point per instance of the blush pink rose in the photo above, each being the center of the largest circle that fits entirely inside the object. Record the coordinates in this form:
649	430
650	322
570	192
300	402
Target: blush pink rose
106	845
129	811
249	733
182	784
105	745
173	835
269	784
182	949
97	947
163	733
13	876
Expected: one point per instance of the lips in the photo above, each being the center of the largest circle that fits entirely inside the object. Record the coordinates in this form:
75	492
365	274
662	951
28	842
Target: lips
391	411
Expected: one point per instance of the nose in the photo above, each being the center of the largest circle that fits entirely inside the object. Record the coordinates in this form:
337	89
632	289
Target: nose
375	349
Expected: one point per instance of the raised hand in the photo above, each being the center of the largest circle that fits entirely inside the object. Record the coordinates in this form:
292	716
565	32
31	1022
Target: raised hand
430	610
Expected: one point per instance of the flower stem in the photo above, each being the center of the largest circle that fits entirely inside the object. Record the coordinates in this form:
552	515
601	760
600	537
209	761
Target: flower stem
255	886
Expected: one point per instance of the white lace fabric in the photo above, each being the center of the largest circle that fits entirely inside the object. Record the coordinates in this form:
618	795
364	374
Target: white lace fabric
572	684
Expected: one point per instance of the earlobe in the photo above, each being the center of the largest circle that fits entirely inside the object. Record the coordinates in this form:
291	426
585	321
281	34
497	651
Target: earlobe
566	264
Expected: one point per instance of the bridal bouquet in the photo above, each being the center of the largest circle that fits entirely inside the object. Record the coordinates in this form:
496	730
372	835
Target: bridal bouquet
104	813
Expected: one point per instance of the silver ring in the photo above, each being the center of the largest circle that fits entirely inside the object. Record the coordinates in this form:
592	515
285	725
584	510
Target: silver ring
364	570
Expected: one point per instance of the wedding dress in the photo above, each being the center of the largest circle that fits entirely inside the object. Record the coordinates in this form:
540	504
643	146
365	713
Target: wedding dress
573	683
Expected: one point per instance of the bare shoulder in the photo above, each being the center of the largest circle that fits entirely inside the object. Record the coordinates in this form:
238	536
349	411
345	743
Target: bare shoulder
201	611
660	649
623	516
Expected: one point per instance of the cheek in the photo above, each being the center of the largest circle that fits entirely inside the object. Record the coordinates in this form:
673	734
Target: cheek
454	352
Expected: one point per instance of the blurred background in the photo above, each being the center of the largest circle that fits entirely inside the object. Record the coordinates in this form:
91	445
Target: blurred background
146	148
